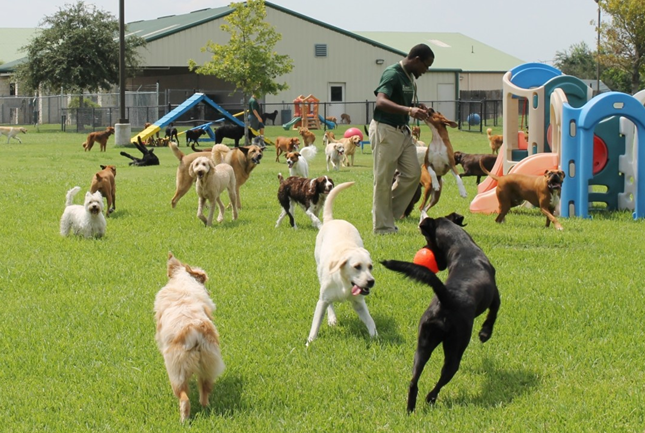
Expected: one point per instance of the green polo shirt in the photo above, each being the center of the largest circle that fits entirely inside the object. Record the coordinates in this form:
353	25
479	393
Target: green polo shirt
398	88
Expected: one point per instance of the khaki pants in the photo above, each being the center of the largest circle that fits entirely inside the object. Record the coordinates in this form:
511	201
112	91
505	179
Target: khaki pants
392	149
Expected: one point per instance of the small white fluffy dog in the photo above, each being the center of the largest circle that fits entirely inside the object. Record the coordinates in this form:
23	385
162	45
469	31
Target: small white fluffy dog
212	180
12	132
344	268
334	153
83	220
186	335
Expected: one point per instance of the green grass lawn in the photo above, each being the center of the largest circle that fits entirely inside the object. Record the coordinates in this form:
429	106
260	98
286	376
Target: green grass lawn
77	327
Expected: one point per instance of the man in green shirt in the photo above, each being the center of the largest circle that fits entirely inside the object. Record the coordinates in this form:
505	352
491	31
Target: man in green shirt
254	115
391	138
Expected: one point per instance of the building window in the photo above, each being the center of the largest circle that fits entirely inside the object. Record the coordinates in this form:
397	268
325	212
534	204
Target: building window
336	93
12	89
320	50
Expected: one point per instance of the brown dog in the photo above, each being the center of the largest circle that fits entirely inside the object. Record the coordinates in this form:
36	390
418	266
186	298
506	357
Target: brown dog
350	144
103	182
243	159
101	137
344	118
495	141
285	144
541	191
331	119
470	163
308	137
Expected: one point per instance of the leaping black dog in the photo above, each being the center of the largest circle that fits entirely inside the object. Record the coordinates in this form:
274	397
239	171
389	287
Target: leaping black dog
149	158
469	290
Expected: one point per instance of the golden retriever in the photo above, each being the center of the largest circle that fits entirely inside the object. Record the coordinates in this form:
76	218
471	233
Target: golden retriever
186	335
211	181
308	137
350	144
494	141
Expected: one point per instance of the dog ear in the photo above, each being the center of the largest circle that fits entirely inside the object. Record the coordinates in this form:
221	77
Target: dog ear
335	265
191	172
456	218
103	167
313	185
173	264
197	273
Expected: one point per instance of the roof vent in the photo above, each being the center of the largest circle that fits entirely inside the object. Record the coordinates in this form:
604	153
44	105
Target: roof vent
320	50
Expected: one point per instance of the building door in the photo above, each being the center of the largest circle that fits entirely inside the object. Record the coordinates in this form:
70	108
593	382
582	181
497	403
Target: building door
336	107
446	104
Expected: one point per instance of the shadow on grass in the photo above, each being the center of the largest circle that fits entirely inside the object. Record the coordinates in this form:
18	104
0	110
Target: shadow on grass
500	386
386	326
225	400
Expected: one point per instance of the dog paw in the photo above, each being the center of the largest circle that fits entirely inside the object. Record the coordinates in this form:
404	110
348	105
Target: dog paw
484	335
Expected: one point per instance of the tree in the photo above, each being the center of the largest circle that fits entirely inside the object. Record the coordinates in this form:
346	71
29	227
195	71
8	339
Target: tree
623	39
77	51
578	61
248	60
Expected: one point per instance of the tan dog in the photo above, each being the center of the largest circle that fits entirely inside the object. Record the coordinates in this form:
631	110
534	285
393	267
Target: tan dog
183	178
350	144
243	159
100	136
344	118
308	137
285	144
328	137
439	160
186	335
103	182
334	155
495	141
331	119
541	191
211	181
12	132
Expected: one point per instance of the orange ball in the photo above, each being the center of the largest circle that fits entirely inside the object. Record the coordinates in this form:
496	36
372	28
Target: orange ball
425	257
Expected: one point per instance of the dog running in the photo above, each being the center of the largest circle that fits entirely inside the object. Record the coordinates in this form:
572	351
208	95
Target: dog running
469	290
12	132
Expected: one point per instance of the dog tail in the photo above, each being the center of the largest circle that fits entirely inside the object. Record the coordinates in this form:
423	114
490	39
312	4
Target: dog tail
423	275
488	173
69	198
175	149
489	132
309	152
329	203
218	153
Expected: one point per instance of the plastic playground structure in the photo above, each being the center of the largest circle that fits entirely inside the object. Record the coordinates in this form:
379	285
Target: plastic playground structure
594	140
305	113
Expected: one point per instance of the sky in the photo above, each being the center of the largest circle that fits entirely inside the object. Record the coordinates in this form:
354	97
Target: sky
532	31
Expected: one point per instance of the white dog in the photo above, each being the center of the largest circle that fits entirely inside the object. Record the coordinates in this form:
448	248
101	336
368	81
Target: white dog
298	161
344	268
186	335
212	180
86	220
334	153
12	132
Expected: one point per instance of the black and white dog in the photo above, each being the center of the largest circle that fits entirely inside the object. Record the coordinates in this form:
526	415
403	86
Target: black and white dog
469	290
309	194
149	158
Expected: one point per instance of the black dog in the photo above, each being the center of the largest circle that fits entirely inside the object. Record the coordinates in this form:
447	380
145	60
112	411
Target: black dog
470	163
271	116
469	290
235	132
171	132
193	135
149	158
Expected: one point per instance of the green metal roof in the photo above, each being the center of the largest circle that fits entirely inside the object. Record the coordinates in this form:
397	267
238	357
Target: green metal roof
452	50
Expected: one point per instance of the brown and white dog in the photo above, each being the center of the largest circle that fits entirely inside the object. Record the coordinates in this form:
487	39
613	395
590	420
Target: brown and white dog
350	144
12	132
541	191
439	160
243	159
309	194
99	136
308	137
284	145
334	154
344	118
103	182
470	163
328	137
331	119
211	181
186	335
494	141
